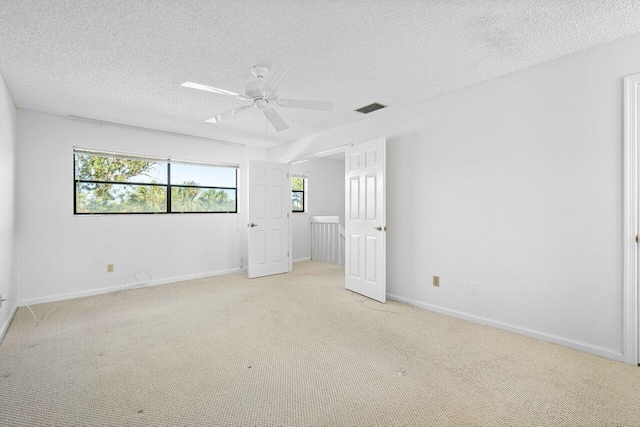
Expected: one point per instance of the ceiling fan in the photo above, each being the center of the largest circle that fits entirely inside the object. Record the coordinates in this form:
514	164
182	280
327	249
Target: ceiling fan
262	94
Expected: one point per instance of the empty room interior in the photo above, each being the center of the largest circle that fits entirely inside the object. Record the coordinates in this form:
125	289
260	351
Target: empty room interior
301	213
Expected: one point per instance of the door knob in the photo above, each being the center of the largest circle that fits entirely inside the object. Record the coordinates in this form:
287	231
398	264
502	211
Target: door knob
379	228
253	225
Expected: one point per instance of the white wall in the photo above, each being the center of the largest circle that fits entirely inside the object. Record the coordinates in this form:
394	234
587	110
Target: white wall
516	184
325	197
61	255
8	283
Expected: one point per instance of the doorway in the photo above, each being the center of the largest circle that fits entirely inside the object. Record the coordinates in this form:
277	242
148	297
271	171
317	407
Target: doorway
322	177
361	205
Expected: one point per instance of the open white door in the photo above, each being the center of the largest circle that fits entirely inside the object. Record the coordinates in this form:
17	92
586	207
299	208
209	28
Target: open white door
269	207
365	219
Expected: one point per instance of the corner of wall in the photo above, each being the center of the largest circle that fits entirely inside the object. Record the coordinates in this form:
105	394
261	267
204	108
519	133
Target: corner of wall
8	276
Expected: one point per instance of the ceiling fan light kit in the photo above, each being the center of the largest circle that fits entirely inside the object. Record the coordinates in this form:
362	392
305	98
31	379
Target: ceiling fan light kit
263	95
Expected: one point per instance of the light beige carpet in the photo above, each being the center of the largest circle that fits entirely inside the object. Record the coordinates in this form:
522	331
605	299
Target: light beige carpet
292	350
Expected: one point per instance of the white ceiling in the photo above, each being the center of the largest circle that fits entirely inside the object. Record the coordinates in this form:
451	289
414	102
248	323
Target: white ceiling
123	61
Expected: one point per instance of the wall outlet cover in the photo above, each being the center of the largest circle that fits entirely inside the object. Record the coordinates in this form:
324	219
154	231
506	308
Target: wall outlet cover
109	268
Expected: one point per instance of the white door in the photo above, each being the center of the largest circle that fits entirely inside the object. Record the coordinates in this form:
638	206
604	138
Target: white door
269	207
365	226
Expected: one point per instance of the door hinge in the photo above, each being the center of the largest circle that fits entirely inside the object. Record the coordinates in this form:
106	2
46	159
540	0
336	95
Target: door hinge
287	175
287	254
636	238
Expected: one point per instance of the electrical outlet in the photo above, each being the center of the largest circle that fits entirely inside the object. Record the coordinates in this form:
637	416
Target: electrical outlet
473	288
109	268
436	281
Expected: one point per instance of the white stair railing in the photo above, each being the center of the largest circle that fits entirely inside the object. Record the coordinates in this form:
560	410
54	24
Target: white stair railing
327	240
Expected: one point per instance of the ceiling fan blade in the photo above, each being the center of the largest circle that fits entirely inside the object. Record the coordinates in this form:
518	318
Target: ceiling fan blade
277	75
311	105
215	90
275	119
208	88
228	114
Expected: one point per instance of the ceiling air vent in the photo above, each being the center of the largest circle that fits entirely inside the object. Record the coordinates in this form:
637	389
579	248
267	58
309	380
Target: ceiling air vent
370	108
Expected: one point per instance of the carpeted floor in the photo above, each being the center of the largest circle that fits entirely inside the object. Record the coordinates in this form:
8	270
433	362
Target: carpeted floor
292	350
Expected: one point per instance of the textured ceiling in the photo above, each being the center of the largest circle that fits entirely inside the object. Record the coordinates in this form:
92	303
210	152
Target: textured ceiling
123	61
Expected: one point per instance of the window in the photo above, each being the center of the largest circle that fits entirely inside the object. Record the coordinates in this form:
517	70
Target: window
112	183
297	193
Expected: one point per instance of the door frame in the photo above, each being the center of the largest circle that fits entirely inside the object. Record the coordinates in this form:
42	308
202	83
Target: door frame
631	294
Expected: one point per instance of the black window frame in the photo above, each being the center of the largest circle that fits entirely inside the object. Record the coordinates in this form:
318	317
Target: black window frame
303	192
168	186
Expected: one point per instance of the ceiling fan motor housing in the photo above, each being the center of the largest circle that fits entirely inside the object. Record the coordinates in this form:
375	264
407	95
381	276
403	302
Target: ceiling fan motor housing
254	91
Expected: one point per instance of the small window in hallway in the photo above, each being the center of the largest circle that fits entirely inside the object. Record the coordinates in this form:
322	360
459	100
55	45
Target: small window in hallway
298	190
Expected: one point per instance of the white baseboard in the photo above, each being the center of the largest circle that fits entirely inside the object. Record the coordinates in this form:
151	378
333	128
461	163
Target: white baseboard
542	336
302	259
5	325
106	290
